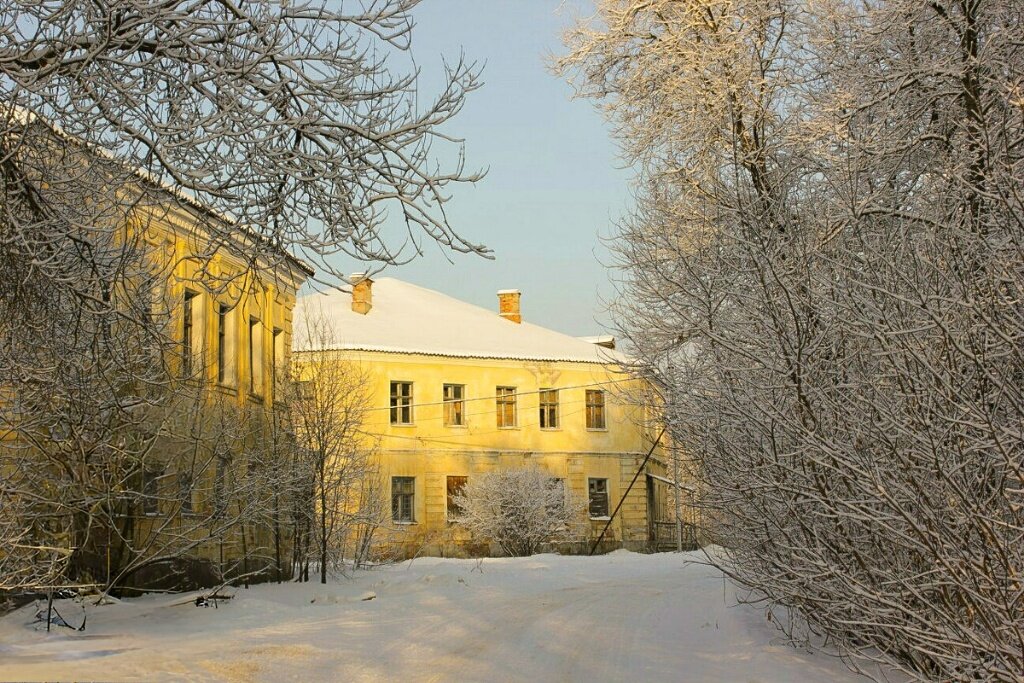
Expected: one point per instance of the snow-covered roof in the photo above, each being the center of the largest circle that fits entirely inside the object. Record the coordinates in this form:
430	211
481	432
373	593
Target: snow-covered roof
406	318
26	117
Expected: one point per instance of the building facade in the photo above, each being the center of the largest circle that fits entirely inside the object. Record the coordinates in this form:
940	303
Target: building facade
454	390
213	486
141	441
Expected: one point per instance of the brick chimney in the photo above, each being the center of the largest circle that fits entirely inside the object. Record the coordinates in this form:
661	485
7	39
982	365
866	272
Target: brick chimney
362	293
508	305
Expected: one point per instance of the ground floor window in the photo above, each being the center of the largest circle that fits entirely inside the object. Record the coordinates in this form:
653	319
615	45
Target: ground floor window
557	504
402	498
150	491
455	486
185	492
598	491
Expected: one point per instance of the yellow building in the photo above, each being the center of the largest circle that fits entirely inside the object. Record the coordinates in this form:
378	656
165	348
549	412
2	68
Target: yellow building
205	483
151	465
455	390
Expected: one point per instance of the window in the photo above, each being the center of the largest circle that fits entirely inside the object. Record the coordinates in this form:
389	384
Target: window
549	408
557	485
185	492
401	403
276	377
455	486
255	357
454	405
220	488
402	498
150	492
506	405
107	311
598	490
595	409
188	332
150	293
222	340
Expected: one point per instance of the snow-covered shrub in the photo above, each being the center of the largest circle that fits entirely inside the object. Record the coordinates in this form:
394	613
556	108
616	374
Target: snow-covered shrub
520	509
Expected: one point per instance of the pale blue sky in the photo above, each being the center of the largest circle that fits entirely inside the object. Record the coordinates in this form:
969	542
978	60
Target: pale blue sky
554	183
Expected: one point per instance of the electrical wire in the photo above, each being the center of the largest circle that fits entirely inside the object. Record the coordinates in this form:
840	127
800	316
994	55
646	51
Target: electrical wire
450	440
515	395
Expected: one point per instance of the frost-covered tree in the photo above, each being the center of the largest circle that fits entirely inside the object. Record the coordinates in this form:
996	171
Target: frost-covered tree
294	118
293	129
522	510
341	505
825	266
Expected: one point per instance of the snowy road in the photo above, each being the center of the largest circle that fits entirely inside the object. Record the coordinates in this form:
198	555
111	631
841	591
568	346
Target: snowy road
620	617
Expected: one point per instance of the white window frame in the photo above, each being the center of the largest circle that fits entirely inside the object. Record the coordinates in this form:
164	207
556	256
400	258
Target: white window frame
397	403
453	406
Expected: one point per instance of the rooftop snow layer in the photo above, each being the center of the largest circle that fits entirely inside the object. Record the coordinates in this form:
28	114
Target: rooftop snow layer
410	319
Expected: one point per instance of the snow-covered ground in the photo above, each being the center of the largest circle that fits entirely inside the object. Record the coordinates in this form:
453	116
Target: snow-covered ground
618	617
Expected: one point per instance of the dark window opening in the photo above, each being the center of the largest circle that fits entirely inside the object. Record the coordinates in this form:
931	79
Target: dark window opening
150	492
598	491
185	492
455	487
222	337
402	498
187	332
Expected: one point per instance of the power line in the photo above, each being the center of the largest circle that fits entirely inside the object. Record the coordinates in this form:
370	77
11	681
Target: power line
467	415
628	489
468	434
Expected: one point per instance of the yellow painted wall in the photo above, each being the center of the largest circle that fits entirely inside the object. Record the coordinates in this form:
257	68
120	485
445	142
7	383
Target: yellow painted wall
431	451
267	295
247	394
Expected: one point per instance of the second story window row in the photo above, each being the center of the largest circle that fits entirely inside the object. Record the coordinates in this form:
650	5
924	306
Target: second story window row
229	347
454	411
